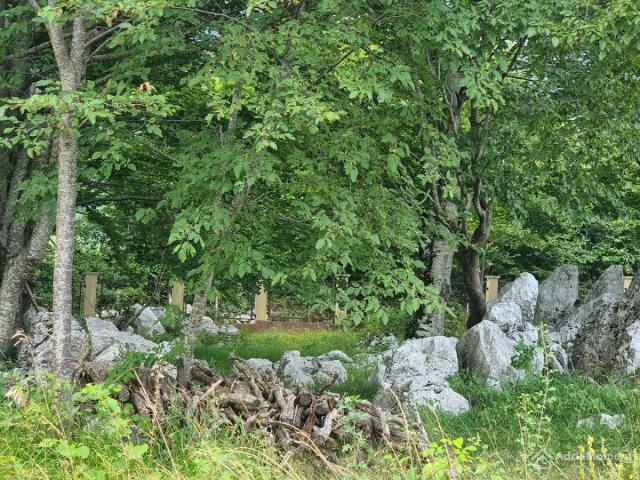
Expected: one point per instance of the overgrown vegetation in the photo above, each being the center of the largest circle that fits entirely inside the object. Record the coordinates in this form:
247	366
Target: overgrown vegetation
377	157
527	431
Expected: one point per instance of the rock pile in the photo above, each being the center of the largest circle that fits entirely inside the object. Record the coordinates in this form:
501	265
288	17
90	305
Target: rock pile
417	376
506	332
296	370
599	335
35	350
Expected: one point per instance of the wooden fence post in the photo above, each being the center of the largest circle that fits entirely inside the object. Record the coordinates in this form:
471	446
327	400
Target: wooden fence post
492	284
627	282
90	293
177	295
261	302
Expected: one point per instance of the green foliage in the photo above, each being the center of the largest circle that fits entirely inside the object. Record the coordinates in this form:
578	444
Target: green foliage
524	356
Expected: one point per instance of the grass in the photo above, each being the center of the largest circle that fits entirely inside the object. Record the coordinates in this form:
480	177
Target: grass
272	344
531	425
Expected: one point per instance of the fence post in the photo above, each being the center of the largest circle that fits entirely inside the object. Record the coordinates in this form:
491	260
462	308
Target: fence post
627	282
492	283
177	295
261	302
90	293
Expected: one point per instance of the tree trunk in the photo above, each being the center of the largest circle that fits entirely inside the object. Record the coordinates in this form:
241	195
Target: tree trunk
24	245
70	63
191	334
470	255
471	266
65	241
432	324
17	273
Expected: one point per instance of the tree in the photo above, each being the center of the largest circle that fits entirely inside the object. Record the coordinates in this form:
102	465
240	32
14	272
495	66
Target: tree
62	106
295	152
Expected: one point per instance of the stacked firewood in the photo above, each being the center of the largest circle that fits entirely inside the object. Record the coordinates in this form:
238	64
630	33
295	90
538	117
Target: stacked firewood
254	399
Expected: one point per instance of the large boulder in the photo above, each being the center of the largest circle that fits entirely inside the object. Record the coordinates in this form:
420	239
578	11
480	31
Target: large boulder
507	315
610	282
36	353
487	350
207	326
336	355
604	419
261	364
586	313
417	376
608	339
604	293
228	329
109	345
523	291
557	295
147	322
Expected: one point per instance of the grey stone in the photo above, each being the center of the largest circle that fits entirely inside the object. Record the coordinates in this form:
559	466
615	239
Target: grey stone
631	349
295	370
159	312
329	371
228	329
387	342
37	353
261	364
243	318
207	326
147	323
336	355
604	419
558	358
109	345
445	399
610	282
604	293
586	313
557	294
523	291
417	376
431	356
606	342
487	350
506	314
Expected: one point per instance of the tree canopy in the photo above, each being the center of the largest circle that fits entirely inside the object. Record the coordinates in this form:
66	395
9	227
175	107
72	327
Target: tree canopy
292	144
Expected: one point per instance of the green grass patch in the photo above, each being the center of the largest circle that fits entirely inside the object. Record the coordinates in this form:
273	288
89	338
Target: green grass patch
536	420
272	344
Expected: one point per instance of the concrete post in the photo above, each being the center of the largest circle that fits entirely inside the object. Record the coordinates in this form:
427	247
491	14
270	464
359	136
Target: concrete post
261	302
177	295
627	282
90	293
492	284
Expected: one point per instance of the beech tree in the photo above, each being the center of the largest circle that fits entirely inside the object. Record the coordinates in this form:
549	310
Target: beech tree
57	107
479	69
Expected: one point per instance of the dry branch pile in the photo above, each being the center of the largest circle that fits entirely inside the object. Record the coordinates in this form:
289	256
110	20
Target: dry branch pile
257	400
